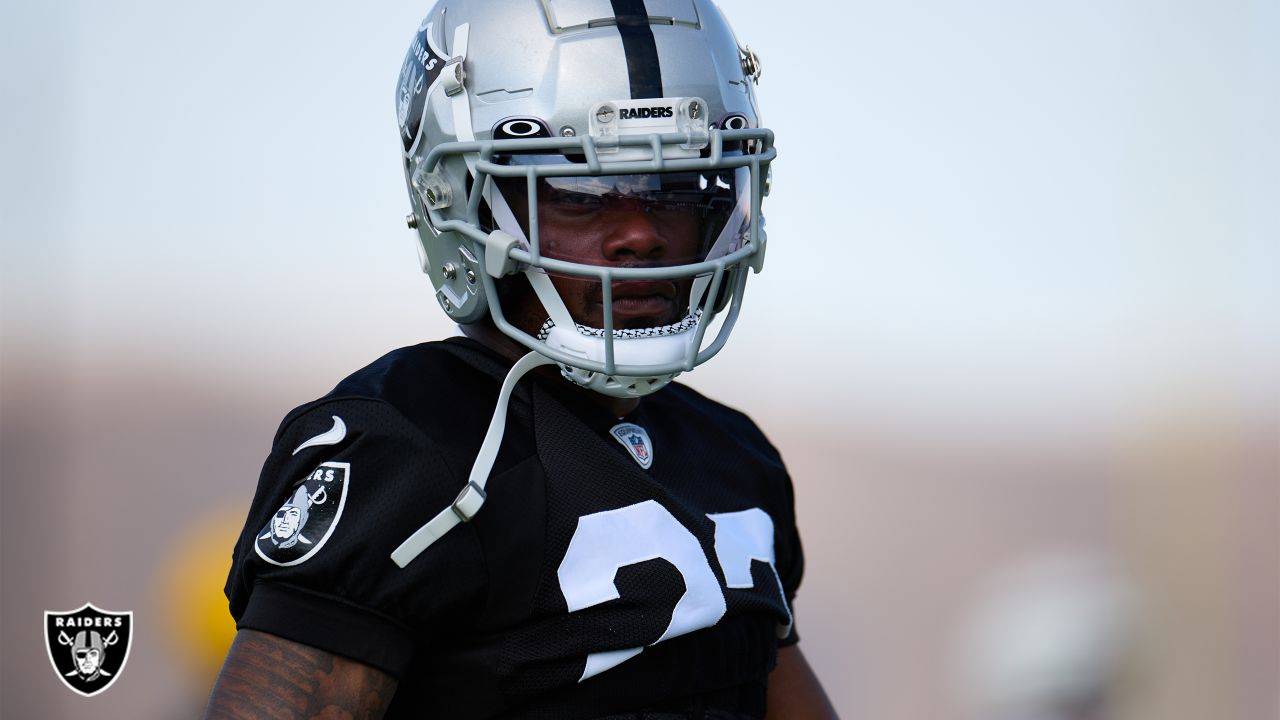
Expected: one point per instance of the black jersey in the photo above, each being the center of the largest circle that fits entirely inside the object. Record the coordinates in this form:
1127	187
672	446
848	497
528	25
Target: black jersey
645	563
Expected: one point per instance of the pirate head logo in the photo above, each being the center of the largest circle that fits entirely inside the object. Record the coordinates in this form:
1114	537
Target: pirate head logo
422	65
636	440
89	650
307	518
410	85
291	518
88	647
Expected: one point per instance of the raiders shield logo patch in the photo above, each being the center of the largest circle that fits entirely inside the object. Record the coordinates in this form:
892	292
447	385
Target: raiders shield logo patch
636	441
88	647
307	518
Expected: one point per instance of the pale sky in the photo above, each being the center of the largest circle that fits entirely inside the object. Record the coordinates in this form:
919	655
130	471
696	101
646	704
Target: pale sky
973	204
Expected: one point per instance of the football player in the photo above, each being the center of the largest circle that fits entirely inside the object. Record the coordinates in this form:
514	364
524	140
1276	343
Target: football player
533	521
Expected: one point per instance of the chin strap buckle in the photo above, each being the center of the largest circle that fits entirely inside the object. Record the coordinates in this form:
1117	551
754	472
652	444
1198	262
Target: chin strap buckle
468	502
464	508
454	77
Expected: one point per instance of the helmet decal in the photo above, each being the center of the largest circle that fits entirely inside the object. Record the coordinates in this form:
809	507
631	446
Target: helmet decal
644	72
422	65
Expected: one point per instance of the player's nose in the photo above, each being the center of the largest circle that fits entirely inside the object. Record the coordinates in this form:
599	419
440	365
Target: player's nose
632	235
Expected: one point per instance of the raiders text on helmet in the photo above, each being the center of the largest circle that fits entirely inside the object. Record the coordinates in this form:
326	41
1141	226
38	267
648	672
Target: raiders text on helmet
663	111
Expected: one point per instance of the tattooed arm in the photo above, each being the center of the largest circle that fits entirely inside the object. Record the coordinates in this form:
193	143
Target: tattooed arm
268	676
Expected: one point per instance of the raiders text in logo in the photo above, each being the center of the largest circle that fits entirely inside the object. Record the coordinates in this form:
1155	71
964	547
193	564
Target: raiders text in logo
645	112
88	647
421	68
307	518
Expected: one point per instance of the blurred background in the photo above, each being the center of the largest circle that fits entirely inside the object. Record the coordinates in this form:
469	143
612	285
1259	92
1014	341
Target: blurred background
1017	335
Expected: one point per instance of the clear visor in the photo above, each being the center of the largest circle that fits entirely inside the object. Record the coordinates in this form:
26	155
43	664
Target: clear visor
654	220
649	220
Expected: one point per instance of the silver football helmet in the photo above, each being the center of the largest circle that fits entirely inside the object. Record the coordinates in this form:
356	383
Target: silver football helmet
533	131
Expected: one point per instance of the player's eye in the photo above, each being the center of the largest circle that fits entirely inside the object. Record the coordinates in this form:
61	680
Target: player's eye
574	204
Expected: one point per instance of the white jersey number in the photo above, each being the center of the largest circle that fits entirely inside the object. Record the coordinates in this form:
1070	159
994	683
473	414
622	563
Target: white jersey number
605	542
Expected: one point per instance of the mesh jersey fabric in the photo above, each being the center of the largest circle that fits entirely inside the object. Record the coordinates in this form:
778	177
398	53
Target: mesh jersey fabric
478	626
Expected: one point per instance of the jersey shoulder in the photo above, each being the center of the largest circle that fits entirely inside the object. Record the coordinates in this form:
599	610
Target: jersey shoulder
350	476
711	417
441	389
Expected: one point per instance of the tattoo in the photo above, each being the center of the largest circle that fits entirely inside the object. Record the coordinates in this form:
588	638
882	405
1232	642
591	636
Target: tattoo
269	677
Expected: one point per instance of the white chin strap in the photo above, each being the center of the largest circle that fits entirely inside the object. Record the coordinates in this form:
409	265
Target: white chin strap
472	497
653	347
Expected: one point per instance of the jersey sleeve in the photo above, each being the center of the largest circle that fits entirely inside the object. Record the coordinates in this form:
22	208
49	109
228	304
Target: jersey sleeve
346	482
788	551
790	560
776	491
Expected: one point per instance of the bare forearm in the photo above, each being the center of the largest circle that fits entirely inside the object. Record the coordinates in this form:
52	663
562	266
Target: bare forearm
794	690
269	677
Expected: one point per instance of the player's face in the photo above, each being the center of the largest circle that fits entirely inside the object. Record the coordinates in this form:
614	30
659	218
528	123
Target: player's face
617	221
285	522
621	232
87	660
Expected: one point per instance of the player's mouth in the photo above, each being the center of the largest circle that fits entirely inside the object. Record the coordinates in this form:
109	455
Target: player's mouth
651	301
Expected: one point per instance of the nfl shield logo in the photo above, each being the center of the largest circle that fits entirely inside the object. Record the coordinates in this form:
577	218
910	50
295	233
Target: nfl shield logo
638	447
88	647
636	440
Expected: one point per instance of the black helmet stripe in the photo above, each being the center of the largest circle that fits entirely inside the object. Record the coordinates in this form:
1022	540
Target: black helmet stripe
643	69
